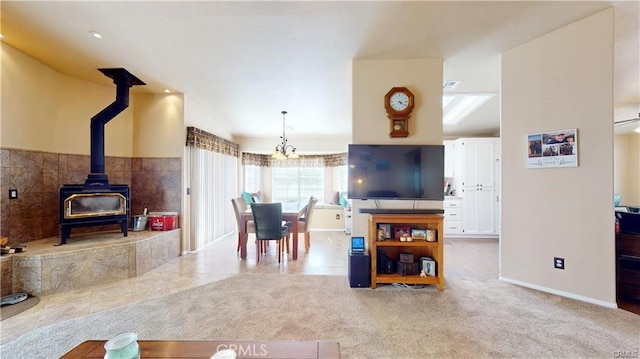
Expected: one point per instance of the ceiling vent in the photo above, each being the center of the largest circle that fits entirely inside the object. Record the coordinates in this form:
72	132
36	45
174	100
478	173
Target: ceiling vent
450	85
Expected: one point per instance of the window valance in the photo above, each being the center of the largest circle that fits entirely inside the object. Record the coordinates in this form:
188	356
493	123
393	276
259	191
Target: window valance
207	141
330	160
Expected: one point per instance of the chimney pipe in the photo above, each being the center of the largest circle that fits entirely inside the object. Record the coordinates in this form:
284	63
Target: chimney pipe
123	80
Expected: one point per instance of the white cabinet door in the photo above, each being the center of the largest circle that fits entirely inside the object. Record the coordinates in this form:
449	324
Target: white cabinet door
449	158
480	187
479	211
478	157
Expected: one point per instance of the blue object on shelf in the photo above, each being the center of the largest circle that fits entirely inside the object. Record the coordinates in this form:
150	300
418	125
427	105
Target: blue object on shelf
616	200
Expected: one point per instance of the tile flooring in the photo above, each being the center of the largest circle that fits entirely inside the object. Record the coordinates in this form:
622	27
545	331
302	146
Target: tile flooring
468	258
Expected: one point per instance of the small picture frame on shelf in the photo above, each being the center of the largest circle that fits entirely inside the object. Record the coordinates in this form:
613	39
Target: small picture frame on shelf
418	233
399	232
384	231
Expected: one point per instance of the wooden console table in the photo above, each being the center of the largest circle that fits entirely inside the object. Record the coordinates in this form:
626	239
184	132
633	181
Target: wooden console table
205	349
418	247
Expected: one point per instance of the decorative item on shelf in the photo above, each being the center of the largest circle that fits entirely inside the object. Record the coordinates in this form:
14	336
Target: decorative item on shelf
408	268
283	150
432	235
406	257
398	103
400	232
386	231
419	233
428	266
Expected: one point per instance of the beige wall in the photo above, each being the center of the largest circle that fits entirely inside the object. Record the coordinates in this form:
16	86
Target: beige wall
159	129
633	164
627	168
328	218
44	110
372	79
562	80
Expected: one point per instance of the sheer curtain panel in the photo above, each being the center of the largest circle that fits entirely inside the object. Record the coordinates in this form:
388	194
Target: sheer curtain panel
213	182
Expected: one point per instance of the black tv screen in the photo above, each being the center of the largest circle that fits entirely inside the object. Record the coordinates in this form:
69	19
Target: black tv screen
413	172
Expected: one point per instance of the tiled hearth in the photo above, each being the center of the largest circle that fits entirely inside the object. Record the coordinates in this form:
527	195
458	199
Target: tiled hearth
86	260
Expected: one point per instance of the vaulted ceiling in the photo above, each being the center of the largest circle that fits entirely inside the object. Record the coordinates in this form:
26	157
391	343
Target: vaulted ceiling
246	61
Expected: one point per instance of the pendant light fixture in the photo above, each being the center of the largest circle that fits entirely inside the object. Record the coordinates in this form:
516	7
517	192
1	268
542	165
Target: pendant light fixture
283	150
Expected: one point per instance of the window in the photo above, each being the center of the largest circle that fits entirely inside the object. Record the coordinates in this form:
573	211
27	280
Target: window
340	178
294	186
251	178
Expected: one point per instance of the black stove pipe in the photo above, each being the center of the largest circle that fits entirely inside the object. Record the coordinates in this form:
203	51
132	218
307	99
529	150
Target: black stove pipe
123	80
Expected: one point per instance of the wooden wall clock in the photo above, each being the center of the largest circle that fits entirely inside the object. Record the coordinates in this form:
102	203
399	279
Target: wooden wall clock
399	103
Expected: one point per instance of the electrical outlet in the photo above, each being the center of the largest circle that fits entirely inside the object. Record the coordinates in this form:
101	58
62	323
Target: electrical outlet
558	263
337	216
13	194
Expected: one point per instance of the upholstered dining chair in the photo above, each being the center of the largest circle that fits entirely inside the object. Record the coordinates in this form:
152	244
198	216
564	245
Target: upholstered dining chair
304	223
269	227
240	206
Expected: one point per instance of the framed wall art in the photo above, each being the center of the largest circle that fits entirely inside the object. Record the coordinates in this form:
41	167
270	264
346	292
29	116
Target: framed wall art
557	148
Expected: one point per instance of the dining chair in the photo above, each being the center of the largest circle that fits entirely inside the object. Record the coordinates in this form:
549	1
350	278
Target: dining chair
304	223
240	206
267	218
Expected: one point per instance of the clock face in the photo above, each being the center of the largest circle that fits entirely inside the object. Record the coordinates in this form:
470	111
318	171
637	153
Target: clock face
399	101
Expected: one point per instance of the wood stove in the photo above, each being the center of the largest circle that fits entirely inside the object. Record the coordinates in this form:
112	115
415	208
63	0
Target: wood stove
96	202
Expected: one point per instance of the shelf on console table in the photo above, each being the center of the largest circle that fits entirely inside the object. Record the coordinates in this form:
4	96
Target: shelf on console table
419	247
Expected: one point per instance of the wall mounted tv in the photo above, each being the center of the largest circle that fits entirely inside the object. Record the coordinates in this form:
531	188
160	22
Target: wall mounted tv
409	172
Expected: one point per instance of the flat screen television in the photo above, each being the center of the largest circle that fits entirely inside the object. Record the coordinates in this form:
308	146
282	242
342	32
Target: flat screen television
409	172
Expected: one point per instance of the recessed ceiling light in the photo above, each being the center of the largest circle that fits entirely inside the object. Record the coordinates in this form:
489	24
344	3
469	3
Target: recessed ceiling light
167	91
637	129
1	36
95	34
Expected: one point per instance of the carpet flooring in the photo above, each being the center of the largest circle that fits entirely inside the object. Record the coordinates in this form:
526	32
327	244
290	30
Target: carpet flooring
469	319
9	311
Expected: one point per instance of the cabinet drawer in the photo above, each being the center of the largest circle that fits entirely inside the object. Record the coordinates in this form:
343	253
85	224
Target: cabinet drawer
453	214
452	203
452	227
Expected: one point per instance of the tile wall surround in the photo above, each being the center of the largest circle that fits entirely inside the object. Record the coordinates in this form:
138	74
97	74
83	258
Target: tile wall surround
154	183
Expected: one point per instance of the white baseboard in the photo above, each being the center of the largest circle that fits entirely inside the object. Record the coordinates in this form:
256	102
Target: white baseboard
560	293
466	236
327	230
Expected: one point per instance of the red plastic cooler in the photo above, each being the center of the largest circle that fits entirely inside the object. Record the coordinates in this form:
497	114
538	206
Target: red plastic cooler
163	221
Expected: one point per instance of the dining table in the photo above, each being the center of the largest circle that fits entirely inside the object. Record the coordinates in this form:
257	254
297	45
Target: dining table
290	213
